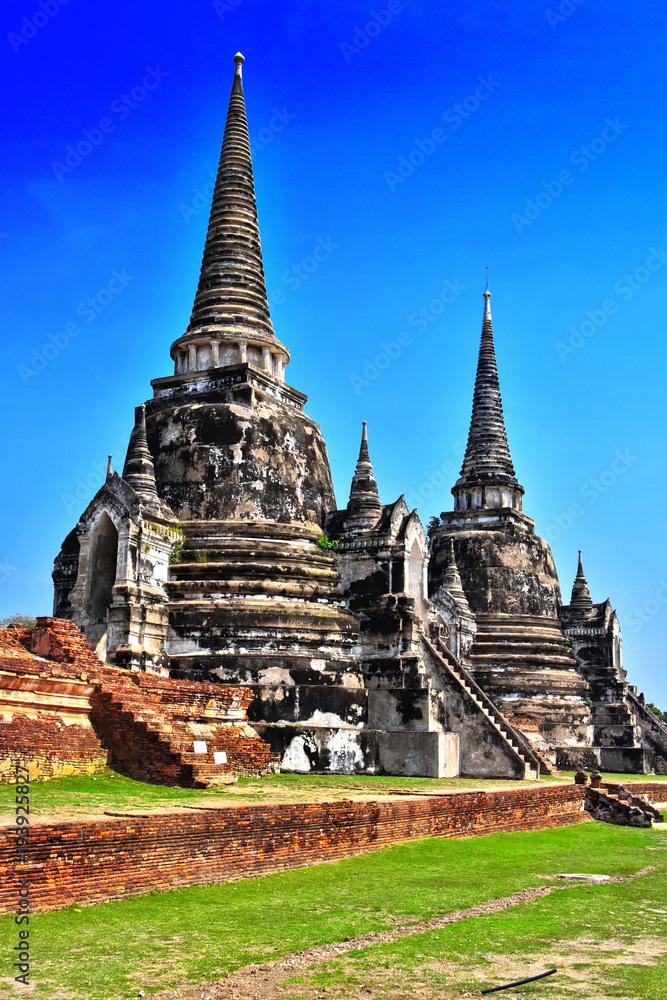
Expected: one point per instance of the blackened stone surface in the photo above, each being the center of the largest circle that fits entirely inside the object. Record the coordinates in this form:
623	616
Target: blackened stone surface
221	456
504	569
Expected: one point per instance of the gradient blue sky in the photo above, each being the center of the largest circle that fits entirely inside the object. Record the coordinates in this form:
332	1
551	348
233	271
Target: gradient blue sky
417	143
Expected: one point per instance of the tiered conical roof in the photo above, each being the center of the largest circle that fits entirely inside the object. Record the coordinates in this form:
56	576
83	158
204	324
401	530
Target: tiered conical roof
139	470
487	451
581	596
231	303
487	461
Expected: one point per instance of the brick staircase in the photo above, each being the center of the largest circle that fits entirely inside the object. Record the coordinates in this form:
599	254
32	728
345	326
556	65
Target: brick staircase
150	734
609	803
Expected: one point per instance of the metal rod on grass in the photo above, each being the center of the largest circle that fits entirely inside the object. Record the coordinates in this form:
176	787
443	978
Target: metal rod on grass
520	982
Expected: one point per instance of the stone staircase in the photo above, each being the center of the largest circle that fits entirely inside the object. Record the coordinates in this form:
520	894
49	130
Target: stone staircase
653	730
518	745
526	666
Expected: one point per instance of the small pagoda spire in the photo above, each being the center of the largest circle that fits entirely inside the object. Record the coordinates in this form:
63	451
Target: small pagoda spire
451	581
231	310
452	578
487	461
139	470
581	595
364	499
109	468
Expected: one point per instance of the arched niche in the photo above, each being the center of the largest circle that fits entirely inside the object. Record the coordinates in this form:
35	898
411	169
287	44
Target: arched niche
416	573
102	566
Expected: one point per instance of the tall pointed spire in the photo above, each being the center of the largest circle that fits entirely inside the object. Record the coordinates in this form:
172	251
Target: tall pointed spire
581	595
487	463
230	320
364	499
139	470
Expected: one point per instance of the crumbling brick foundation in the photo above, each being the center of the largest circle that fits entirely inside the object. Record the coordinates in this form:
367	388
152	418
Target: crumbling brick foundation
62	711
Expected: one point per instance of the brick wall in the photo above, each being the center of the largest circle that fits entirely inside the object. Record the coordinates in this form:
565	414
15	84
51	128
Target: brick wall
92	861
655	790
52	748
43	717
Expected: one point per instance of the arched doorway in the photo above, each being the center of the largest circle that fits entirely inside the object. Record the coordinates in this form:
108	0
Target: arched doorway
102	567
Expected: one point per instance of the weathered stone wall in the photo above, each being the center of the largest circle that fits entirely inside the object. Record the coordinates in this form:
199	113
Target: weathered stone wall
504	569
237	445
92	861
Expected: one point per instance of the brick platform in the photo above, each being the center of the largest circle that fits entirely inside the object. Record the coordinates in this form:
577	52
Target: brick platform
92	861
62	710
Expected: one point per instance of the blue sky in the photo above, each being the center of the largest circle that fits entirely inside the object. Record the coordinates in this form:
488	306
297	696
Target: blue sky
416	143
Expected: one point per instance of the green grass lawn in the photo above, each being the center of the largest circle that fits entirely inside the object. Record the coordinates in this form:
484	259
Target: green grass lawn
107	789
615	931
113	950
81	794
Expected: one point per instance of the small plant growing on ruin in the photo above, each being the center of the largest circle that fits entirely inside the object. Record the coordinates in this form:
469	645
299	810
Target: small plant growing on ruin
434	522
327	543
202	557
147	548
568	643
176	555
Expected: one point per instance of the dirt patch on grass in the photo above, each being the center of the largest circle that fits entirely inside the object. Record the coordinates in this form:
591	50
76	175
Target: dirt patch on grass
291	975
